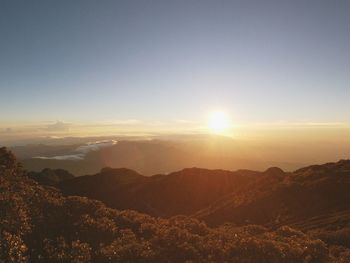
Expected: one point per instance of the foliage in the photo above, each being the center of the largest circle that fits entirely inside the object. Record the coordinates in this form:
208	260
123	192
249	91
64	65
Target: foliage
38	224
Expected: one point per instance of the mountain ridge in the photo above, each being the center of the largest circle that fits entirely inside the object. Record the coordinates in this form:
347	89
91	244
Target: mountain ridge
270	198
39	224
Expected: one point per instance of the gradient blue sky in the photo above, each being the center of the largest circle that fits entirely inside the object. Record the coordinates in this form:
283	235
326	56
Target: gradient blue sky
262	61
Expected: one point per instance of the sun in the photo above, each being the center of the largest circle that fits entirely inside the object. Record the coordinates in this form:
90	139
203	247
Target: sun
219	122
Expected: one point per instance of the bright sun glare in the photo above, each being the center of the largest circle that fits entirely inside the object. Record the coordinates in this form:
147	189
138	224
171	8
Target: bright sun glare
219	122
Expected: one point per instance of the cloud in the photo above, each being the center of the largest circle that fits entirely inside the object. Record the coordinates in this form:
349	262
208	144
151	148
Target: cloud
95	146
126	122
81	151
72	157
7	131
59	126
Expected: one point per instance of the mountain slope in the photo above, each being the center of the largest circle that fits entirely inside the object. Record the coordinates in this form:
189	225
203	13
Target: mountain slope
272	198
181	192
50	176
307	193
38	224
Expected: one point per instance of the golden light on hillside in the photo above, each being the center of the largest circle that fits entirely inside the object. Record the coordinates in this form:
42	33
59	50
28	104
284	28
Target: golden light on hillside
219	122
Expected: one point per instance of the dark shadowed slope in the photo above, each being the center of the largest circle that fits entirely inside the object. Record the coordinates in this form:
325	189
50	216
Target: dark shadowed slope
50	176
271	198
297	198
182	192
38	224
313	197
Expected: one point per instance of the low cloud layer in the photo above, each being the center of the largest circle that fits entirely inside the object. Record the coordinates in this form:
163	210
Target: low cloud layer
58	127
81	151
95	146
72	157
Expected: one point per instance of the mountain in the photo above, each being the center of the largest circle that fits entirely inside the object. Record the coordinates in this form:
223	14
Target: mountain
50	176
310	198
149	157
294	199
182	192
39	224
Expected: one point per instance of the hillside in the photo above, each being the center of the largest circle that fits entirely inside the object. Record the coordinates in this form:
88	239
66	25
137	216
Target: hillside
50	176
38	224
309	198
298	197
180	192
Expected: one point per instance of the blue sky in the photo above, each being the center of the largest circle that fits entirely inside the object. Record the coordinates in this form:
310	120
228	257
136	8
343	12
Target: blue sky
261	61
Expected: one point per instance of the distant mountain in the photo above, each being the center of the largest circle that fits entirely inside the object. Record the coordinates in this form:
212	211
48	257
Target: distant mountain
182	192
50	177
293	199
271	198
151	157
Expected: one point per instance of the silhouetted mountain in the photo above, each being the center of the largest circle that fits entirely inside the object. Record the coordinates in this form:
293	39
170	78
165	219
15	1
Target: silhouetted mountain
50	176
38	224
182	192
291	199
270	198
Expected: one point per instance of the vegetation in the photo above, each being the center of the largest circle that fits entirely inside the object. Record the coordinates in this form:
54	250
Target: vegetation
310	198
50	177
183	192
38	224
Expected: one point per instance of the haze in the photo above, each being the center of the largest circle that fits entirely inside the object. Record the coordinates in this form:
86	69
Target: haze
278	69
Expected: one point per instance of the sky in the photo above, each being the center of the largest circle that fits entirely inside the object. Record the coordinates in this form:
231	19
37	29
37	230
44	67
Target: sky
70	61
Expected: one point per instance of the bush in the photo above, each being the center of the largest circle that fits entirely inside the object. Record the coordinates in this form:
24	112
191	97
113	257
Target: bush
38	224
